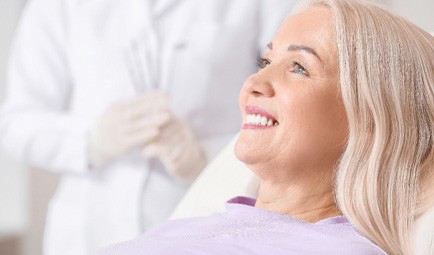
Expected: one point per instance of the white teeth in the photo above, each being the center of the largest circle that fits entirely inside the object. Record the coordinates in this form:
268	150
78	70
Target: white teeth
260	120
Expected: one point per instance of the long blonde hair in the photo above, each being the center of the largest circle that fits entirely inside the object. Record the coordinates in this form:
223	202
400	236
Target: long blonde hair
387	84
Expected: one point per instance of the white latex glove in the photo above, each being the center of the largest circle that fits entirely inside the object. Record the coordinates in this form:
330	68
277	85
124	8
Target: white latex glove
178	150
127	125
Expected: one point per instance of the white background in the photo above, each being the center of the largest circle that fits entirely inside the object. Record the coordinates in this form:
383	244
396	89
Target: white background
13	179
23	193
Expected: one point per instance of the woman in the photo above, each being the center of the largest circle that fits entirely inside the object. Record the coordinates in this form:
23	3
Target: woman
338	127
78	70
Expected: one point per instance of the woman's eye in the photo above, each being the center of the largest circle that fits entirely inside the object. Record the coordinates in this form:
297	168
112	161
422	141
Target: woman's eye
263	62
297	68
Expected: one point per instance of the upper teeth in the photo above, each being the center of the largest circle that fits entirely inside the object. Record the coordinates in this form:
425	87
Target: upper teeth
259	119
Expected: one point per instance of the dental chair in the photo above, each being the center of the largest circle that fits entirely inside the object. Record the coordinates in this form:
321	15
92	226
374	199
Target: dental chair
226	177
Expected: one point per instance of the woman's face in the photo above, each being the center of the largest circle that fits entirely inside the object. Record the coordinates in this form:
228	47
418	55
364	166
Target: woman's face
294	120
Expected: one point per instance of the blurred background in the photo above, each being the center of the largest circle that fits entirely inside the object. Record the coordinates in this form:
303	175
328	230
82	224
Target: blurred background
24	193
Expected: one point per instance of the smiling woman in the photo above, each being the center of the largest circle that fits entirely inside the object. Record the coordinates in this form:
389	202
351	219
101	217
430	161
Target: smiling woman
337	125
298	86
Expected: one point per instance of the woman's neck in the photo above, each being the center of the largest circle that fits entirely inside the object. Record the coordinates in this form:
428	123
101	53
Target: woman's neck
310	203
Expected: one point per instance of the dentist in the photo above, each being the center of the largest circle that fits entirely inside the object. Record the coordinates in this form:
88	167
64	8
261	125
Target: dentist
127	100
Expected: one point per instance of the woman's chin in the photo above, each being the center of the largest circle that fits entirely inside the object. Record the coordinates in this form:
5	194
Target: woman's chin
245	151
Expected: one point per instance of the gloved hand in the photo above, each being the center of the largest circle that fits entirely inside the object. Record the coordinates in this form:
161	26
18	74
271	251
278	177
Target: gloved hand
127	125
178	150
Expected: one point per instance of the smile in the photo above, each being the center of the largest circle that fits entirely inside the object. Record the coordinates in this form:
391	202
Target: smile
258	118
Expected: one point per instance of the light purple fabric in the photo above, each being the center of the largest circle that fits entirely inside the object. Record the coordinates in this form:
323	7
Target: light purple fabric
244	229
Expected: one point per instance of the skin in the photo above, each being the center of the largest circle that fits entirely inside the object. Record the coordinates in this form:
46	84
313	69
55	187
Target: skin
298	84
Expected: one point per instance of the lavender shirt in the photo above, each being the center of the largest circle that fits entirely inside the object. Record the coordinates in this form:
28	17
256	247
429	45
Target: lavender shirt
244	229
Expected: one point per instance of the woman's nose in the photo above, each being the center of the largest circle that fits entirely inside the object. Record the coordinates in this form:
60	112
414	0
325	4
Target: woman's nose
258	85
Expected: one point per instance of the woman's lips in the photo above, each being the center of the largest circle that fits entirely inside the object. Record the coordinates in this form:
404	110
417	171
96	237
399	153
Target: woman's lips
257	118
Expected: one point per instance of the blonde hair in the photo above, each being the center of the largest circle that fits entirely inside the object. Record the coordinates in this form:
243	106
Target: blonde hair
387	84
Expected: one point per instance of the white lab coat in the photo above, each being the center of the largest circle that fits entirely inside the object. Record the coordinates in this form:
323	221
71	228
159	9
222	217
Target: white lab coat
67	66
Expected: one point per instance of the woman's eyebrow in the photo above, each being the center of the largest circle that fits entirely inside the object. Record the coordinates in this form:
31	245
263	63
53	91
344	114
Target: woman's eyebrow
295	47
